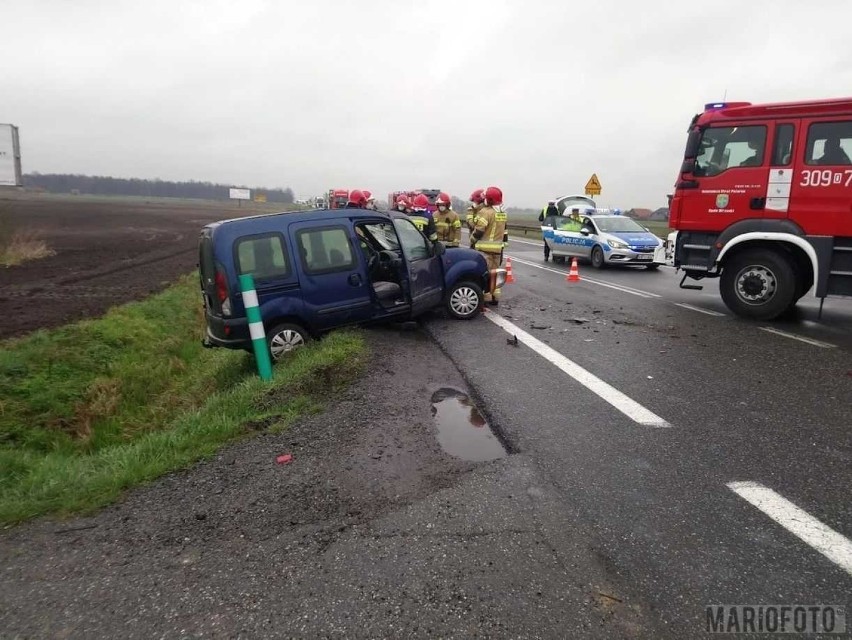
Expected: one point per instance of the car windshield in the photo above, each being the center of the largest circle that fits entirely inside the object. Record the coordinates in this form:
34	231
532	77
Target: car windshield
619	224
383	235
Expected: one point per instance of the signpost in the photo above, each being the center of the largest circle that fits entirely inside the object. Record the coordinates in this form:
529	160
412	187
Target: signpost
239	195
593	186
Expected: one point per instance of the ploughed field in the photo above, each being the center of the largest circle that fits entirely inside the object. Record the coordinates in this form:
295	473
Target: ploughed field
107	251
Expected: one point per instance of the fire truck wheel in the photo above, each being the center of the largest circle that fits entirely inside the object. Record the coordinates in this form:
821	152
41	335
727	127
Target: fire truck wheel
758	284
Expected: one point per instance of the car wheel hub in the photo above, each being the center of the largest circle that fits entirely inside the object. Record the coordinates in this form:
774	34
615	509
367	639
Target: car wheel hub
756	284
285	341
464	301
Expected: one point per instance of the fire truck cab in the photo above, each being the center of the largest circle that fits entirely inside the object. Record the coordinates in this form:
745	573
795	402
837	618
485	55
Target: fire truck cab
764	202
337	198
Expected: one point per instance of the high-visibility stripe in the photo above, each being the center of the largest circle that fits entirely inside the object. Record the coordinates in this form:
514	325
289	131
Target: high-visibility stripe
489	246
250	298
500	216
256	331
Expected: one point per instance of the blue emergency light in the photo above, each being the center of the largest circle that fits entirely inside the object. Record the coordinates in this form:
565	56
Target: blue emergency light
711	106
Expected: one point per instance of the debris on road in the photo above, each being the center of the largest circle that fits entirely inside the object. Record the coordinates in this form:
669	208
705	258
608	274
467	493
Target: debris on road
538	326
580	320
512	341
284	459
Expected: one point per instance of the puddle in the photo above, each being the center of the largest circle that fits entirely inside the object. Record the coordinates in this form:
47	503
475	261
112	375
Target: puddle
462	431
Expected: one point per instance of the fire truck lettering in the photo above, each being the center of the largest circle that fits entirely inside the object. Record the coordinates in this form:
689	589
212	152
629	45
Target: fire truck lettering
848	173
825	177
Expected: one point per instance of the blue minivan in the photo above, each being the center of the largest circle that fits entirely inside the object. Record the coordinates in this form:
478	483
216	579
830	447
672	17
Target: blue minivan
322	269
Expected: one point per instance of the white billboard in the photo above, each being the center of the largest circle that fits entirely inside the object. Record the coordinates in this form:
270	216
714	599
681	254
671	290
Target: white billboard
10	156
240	194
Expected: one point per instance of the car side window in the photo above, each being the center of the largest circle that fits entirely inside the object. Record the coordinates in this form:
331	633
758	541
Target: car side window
415	246
829	143
264	256
325	250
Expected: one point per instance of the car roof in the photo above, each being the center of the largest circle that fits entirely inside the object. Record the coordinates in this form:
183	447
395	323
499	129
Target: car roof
309	215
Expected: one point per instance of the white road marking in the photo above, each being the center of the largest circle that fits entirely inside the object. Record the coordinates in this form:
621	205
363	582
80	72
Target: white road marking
535	244
827	541
610	394
709	312
617	287
810	341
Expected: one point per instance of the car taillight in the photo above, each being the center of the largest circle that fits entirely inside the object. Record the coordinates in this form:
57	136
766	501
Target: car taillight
222	293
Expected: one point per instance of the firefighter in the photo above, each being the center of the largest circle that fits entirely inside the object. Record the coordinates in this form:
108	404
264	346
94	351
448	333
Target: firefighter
489	236
422	218
403	204
548	217
369	200
476	203
447	221
357	200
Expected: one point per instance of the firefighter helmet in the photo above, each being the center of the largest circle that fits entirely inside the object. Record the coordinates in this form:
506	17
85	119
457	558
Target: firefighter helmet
421	201
367	194
403	202
493	196
443	200
357	198
478	196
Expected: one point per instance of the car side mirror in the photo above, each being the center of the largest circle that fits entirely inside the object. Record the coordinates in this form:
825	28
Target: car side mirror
585	231
438	249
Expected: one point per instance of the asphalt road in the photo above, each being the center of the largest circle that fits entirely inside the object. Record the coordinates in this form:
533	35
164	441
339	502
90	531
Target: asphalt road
729	402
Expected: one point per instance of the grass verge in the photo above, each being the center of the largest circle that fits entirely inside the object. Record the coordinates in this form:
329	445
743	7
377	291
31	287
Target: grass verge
91	409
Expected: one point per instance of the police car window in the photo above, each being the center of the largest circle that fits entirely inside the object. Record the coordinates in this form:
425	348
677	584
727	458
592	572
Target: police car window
415	246
325	250
263	256
618	224
723	148
829	143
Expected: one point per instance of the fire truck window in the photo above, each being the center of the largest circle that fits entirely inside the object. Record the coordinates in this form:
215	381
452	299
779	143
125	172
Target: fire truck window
782	153
829	143
723	148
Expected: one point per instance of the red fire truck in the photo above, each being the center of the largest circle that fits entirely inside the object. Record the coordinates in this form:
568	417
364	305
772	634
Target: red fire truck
337	198
764	203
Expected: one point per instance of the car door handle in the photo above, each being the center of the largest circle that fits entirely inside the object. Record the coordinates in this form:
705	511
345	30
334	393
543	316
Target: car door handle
757	203
355	279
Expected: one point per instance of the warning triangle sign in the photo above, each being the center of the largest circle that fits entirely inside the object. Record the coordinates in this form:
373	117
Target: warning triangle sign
593	184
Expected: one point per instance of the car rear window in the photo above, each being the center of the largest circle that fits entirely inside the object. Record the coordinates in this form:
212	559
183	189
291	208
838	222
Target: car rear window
263	256
325	250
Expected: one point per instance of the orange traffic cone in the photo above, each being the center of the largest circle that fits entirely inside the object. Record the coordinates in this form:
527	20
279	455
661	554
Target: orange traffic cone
574	274
509	277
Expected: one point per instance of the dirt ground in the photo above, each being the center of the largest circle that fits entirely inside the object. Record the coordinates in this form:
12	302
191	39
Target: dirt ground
108	251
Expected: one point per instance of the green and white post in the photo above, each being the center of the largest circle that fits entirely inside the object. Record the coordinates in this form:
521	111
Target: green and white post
256	330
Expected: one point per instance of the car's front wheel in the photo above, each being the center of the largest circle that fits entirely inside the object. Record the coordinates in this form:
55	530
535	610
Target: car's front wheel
464	300
284	338
598	258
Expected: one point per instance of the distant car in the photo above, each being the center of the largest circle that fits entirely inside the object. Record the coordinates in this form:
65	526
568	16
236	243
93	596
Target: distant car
603	240
315	271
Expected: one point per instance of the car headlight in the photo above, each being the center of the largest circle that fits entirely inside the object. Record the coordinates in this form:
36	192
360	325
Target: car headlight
617	244
500	280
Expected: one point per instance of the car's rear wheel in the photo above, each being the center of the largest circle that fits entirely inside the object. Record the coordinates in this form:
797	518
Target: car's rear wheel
284	338
464	300
652	267
598	258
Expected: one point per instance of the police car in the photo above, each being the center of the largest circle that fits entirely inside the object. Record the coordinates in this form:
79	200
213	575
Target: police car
603	239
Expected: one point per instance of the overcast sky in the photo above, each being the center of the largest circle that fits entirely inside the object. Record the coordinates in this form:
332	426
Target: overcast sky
530	95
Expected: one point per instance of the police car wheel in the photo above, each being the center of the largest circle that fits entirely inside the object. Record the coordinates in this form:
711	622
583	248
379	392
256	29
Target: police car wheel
598	258
284	338
464	300
758	284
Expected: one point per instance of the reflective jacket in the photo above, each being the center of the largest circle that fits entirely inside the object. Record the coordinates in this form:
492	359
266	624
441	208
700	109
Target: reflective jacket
448	226
490	230
424	222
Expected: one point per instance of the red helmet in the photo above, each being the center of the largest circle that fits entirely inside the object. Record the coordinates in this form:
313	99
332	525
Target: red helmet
442	199
403	200
493	196
421	201
478	196
357	198
367	194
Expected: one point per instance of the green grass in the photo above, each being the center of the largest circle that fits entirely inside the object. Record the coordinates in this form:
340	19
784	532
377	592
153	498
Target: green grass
94	408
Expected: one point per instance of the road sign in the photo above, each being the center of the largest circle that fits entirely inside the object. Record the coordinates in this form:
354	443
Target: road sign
240	194
593	186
